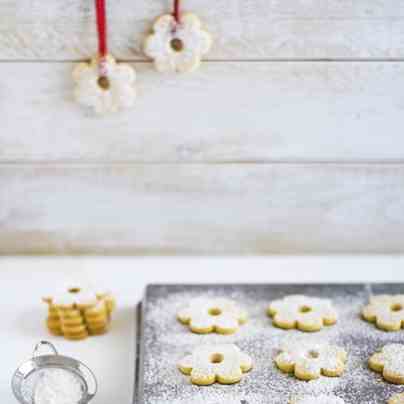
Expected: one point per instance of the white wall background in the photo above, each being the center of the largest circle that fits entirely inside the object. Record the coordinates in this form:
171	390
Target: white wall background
289	139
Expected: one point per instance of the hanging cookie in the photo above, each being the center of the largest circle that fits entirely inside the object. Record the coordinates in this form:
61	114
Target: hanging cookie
103	84
178	42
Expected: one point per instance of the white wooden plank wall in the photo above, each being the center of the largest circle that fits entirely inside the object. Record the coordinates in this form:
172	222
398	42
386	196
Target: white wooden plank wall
243	29
289	139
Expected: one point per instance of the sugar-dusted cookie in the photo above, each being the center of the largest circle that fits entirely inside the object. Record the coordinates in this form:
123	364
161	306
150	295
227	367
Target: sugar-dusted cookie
54	327
74	297
396	399
53	320
104	85
320	399
386	311
208	364
109	301
309	359
389	362
77	313
73	324
177	46
302	312
212	315
97	318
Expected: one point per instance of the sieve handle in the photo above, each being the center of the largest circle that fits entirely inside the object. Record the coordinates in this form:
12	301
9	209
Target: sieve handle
92	386
40	344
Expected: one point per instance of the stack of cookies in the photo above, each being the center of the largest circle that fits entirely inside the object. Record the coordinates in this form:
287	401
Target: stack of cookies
53	320
78	313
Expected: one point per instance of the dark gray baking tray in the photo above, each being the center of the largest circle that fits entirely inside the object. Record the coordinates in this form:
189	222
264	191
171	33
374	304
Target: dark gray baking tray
162	341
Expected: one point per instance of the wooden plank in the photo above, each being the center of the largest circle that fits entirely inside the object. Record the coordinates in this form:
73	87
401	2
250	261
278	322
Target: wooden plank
202	209
243	29
225	112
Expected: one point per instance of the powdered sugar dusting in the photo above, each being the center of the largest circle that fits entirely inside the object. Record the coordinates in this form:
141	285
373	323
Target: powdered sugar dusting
302	312
397	399
387	311
311	357
208	315
166	341
209	363
391	360
321	399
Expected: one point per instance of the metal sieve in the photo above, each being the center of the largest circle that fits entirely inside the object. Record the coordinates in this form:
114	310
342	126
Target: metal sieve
27	375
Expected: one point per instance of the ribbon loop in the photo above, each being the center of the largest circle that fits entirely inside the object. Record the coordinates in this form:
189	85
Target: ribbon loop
177	12
101	28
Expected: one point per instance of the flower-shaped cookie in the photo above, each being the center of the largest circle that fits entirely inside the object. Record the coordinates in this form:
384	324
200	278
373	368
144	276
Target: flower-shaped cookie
177	46
208	315
389	362
302	312
321	399
105	89
309	360
396	399
386	311
73	297
224	364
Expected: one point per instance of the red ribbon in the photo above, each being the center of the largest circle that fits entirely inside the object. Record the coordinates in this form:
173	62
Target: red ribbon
101	27
176	12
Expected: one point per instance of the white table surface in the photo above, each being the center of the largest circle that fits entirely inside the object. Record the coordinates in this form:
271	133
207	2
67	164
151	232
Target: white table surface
25	280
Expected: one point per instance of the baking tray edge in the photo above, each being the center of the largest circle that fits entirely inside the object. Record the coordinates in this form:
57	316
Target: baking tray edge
138	388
